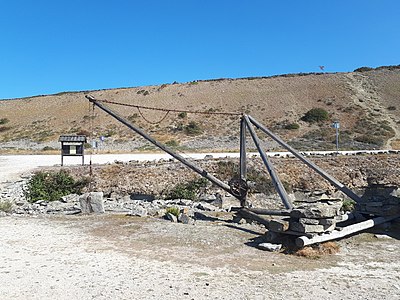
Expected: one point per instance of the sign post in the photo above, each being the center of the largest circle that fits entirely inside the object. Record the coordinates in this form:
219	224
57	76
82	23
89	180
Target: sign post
336	125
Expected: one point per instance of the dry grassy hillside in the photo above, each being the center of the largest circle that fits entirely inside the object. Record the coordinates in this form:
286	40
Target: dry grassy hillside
365	102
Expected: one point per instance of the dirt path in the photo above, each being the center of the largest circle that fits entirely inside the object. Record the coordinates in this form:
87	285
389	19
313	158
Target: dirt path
366	96
115	257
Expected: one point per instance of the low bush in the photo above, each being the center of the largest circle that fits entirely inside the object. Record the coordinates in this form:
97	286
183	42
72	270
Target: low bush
369	139
51	186
391	108
292	126
48	148
182	115
315	115
173	211
5	206
172	143
193	128
188	190
4	121
133	117
348	205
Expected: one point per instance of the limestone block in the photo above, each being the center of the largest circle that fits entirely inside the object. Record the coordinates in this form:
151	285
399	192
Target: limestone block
278	225
92	203
305	228
316	211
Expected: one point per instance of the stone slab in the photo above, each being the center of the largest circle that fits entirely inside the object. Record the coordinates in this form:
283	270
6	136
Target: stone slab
92	203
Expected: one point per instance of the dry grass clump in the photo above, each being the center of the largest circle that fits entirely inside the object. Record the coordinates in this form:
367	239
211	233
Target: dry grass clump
316	251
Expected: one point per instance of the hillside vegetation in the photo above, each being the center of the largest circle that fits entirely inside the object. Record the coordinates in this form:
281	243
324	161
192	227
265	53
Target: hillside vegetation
366	102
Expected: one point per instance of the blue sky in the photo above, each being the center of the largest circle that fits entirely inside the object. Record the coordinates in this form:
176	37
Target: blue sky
51	46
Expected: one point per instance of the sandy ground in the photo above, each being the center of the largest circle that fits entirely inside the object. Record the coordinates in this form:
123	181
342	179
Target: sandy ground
118	257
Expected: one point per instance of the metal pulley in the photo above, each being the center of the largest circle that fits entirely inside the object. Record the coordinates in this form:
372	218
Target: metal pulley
238	187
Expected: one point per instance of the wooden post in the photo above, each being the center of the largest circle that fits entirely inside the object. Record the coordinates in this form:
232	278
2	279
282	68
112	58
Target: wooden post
243	169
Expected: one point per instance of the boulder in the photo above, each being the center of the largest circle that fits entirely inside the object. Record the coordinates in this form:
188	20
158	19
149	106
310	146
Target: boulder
185	219
172	217
92	202
316	211
139	211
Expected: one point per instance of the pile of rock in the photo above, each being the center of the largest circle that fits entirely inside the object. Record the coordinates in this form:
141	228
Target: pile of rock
380	200
310	218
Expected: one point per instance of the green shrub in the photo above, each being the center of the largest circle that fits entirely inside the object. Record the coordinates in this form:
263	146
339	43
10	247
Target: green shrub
292	126
172	143
193	128
87	146
369	139
51	186
315	115
5	206
48	148
348	205
182	115
173	211
133	117
4	121
188	190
